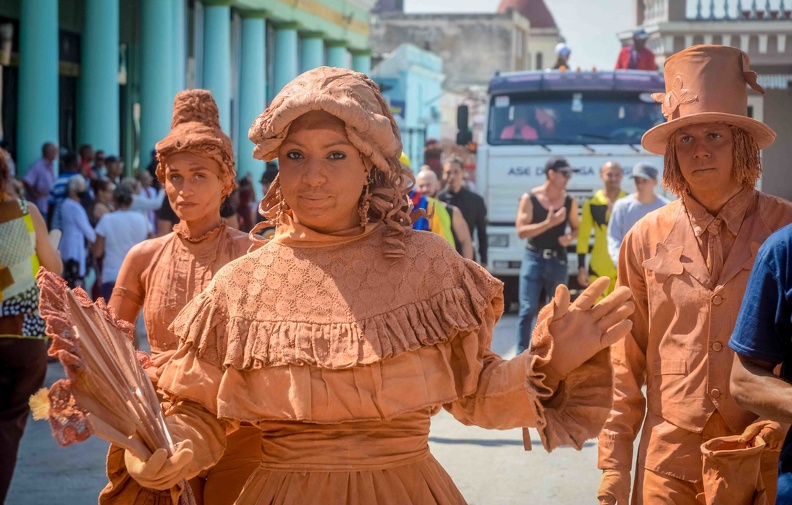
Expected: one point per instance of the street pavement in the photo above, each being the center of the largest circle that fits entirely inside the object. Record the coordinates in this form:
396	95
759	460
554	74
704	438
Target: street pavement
488	466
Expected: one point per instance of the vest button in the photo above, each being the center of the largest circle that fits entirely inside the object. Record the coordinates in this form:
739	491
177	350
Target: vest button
715	393
717	346
717	300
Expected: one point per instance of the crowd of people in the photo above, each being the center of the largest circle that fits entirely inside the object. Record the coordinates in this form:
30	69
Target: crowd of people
304	366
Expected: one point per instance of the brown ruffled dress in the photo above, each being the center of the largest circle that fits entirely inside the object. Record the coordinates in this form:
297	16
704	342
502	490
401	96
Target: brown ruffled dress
340	357
180	268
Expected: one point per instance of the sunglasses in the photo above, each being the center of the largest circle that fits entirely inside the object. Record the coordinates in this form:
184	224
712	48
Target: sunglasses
566	173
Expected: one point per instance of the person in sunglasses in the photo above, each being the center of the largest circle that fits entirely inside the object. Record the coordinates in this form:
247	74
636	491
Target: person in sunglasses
543	217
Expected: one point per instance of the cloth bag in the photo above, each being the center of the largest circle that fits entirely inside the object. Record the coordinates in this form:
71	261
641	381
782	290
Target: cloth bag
732	472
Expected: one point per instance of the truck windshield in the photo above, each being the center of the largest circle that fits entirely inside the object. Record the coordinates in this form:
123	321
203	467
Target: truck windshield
602	117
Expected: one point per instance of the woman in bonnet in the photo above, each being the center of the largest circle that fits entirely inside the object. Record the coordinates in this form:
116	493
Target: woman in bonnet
159	276
332	341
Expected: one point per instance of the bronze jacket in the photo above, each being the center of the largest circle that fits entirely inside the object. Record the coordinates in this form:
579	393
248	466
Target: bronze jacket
681	325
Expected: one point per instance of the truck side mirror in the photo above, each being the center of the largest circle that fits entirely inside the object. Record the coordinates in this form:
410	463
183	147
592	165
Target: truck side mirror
462	117
464	135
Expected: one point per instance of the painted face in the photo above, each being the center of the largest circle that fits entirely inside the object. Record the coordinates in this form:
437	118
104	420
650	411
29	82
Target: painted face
704	154
321	173
427	183
452	174
193	186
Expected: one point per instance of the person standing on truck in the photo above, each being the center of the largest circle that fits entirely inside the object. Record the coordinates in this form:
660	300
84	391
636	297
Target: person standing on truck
563	52
627	211
687	265
596	212
543	218
469	203
637	56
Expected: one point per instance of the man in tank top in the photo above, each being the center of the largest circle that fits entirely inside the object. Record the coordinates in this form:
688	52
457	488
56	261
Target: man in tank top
543	217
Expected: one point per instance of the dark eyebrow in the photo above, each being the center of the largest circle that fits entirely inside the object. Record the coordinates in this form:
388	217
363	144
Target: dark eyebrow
194	167
326	146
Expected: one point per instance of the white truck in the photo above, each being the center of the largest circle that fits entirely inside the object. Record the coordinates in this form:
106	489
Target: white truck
586	117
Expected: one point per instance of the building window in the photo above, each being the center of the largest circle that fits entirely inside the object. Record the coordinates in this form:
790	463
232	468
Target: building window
539	62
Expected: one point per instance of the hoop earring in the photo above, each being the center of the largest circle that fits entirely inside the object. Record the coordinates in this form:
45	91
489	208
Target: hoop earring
365	202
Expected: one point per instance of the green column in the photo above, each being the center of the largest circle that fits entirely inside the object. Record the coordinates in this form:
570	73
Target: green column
217	59
337	55
285	55
38	79
98	118
179	45
313	51
156	86
252	91
361	61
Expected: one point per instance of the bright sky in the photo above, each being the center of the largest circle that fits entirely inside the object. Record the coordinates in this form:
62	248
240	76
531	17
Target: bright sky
588	25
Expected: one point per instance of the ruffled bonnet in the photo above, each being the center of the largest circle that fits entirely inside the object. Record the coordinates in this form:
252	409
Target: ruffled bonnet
350	96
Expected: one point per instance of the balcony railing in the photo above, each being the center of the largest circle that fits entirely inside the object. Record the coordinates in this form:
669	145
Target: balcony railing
749	10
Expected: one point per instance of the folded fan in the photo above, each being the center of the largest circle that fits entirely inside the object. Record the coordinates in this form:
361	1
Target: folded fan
106	392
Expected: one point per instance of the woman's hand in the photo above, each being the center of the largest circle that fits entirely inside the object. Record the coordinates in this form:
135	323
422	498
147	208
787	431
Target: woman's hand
160	472
581	329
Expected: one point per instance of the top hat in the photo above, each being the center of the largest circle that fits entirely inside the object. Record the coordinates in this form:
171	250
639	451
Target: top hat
706	84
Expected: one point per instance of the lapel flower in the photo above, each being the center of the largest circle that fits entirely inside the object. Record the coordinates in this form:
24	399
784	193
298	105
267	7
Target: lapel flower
665	262
675	97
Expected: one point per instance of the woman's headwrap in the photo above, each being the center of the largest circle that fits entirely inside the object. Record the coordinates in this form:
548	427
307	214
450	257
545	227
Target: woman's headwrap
195	128
351	97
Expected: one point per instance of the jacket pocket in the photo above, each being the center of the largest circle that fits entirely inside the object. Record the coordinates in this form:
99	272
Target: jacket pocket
671	367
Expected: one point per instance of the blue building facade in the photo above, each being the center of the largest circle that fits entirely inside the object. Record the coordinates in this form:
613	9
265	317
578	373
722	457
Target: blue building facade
412	81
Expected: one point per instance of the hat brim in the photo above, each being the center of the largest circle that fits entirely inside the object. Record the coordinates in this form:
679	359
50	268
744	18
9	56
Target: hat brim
656	139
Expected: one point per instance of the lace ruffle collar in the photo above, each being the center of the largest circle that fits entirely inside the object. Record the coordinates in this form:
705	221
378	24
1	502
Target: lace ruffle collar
183	233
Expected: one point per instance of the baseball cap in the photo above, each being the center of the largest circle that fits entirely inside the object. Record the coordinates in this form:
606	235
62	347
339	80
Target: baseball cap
644	171
557	163
640	34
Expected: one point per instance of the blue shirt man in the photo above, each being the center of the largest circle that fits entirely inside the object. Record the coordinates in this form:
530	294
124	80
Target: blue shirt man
762	339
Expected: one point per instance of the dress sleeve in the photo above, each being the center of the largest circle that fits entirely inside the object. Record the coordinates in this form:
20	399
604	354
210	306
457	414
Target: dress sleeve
629	366
512	393
189	385
191	380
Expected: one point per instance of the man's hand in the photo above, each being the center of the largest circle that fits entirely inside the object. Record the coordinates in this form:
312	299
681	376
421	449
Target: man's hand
614	488
583	277
581	329
566	239
771	432
160	472
555	217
